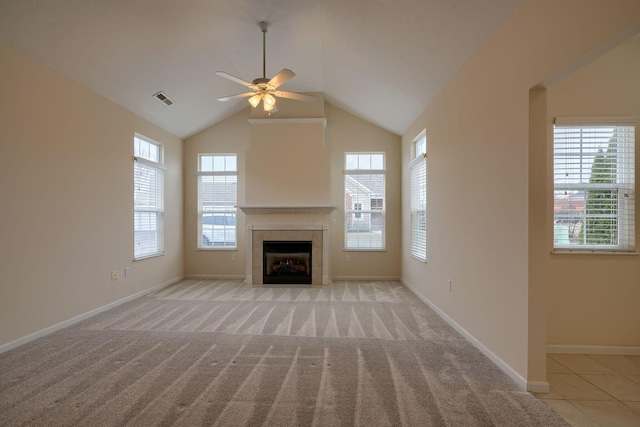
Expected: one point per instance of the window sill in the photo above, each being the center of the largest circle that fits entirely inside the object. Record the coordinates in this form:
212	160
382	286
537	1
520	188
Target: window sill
217	249
149	256
364	250
593	252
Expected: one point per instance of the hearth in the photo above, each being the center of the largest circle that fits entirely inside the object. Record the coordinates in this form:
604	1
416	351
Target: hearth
286	262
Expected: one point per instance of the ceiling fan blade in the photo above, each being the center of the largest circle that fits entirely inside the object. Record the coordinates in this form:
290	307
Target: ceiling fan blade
233	78
294	95
240	95
281	78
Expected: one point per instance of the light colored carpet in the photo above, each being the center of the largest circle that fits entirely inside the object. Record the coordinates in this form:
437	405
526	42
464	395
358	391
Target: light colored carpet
204	353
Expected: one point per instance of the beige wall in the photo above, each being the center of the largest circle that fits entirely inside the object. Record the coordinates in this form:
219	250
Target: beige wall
478	177
348	133
66	191
288	163
232	135
268	156
593	300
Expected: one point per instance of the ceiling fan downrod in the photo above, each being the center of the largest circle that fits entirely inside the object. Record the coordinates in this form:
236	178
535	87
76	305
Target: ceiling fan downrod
263	27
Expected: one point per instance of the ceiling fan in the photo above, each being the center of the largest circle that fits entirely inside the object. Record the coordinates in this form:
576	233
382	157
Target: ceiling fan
263	89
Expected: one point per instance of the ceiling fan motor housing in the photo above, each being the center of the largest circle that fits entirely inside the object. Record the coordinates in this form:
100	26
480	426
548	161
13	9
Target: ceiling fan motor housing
261	81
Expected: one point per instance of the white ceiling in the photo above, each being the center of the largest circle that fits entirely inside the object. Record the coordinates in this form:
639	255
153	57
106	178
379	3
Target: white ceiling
382	60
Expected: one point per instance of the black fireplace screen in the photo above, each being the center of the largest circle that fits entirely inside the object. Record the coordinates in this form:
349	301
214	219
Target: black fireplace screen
286	262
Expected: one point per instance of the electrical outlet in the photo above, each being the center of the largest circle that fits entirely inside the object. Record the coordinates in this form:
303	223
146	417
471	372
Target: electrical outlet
115	275
234	257
346	258
449	284
127	272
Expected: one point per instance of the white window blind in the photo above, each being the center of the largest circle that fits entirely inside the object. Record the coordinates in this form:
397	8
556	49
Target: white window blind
364	201
594	184
148	196
217	200
418	202
418	168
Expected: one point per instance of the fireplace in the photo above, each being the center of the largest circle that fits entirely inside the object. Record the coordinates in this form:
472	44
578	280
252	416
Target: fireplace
257	234
286	262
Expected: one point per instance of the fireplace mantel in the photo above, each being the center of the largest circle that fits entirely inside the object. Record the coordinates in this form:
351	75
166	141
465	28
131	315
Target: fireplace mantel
287	209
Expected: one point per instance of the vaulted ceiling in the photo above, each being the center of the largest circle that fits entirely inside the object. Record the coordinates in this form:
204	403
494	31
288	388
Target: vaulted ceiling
381	60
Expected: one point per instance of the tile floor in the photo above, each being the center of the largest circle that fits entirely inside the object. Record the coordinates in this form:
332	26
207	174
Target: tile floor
594	389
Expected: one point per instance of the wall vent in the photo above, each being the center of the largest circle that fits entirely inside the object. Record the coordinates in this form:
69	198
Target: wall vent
160	96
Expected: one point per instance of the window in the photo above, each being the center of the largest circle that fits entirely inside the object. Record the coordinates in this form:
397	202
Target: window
217	199
148	198
357	207
594	184
364	206
418	207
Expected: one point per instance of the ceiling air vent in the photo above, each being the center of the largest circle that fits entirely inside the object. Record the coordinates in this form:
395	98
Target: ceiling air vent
160	96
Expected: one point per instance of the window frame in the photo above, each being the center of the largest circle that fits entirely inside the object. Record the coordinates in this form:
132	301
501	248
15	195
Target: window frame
157	167
226	213
418	198
625	211
358	209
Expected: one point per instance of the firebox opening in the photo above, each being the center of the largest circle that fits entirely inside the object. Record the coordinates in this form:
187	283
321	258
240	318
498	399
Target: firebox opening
286	262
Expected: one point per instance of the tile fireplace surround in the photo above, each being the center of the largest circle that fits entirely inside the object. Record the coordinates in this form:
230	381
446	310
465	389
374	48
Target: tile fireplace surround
275	229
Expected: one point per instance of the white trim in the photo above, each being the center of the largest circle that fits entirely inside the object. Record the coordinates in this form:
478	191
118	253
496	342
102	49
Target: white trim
289	121
603	121
504	366
215	277
346	278
288	209
365	171
593	349
46	331
149	163
221	248
538	387
287	227
423	133
564	251
365	250
155	255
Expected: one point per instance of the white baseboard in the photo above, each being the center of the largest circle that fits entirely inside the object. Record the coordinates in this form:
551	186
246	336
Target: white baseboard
214	277
593	349
355	278
334	278
46	331
538	387
504	366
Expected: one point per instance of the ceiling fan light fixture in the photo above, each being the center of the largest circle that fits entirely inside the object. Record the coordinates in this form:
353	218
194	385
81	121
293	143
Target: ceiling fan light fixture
269	107
269	99
255	100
